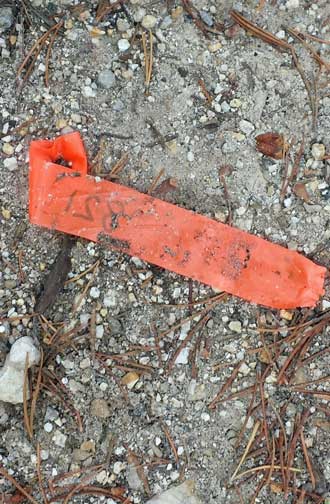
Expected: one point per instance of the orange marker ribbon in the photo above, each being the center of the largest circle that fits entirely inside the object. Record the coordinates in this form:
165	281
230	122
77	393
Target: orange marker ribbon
70	200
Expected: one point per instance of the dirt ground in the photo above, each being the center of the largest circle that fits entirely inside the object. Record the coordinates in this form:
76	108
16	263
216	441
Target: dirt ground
213	88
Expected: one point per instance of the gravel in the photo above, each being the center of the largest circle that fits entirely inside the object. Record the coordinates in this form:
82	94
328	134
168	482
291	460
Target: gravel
132	316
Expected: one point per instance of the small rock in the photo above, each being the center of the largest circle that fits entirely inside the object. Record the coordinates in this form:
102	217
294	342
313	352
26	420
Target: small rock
123	45
235	103
214	47
59	439
286	315
183	356
130	379
106	79
99	331
292	4
100	408
8	149
110	299
181	494
244	369
10	163
166	23
6	18
246	127
236	326
122	25
325	304
206	18
118	467
318	151
149	22
133	479
94	292
190	156
89	92
48	427
12	373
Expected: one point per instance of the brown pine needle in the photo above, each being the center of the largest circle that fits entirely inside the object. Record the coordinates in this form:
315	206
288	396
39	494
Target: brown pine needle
200	324
74	279
89	283
269	38
155	181
246	451
12	480
225	386
49	51
264	35
262	468
42	490
118	167
148	59
307	460
25	398
313	37
170	441
135	460
36	391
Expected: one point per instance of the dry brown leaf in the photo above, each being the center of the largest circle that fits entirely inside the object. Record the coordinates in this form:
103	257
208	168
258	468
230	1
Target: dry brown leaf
272	145
300	190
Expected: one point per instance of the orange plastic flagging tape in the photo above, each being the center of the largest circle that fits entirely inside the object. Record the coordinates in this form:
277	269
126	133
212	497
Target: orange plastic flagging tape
69	200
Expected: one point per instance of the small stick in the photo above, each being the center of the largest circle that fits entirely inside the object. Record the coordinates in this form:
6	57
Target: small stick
225	386
206	93
263	409
246	451
187	339
155	181
36	391
247	416
134	459
170	441
307	459
49	51
121	163
263	467
42	490
92	332
25	398
12	480
89	283
313	37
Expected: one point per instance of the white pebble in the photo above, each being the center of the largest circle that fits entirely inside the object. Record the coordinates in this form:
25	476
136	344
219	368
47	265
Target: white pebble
236	326
318	151
94	292
123	45
48	427
149	22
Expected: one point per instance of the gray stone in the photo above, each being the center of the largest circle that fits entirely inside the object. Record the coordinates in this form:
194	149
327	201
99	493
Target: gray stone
118	106
181	494
6	18
106	79
166	23
206	18
100	408
123	45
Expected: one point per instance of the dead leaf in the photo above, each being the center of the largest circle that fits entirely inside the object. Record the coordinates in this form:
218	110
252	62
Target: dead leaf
272	145
300	190
56	278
